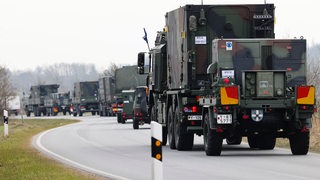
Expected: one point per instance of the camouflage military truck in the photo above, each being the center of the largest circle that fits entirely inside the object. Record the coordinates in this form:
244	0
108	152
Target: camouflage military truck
126	78
41	100
259	90
106	95
85	98
234	98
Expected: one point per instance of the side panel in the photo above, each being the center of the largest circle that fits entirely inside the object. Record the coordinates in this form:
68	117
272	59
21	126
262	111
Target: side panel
189	42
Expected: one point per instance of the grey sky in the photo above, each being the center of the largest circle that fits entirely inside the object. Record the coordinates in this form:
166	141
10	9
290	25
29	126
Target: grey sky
44	32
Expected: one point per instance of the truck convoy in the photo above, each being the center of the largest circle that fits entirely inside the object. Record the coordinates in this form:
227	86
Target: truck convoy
85	98
41	100
217	71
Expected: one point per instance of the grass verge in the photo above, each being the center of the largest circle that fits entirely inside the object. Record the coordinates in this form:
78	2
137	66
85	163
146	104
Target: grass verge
19	160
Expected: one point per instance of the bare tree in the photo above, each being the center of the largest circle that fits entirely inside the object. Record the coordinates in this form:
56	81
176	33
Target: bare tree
313	71
110	71
6	89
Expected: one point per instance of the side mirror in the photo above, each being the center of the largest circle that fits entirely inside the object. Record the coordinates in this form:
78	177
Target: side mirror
141	63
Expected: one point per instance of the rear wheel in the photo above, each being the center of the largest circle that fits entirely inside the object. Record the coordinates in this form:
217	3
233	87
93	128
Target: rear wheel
119	119
212	139
164	135
234	140
267	141
153	116
135	123
299	143
171	129
183	140
253	141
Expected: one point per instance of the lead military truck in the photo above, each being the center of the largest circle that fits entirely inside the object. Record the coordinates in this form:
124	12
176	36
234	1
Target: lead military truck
182	95
259	90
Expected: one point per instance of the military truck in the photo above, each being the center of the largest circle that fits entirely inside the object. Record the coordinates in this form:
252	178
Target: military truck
62	102
140	108
126	78
85	98
259	90
187	100
180	58
41	100
106	95
127	112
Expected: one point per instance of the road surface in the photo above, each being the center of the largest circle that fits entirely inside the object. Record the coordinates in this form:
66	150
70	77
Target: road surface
116	151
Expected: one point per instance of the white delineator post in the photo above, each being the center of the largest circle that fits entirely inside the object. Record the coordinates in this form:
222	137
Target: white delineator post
156	151
5	123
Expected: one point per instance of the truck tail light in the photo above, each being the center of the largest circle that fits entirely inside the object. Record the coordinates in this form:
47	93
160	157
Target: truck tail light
193	109
55	109
306	95
229	95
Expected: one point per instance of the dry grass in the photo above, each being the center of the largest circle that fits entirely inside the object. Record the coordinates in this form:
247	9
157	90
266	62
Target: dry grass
19	160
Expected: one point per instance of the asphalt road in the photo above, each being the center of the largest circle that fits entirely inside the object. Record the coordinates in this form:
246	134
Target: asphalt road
116	151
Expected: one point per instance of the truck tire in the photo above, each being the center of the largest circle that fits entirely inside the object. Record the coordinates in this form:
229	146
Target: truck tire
183	140
153	116
234	140
135	123
119	119
299	143
172	143
212	139
164	135
267	141
253	141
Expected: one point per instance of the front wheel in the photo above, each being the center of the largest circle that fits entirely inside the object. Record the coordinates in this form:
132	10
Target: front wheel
212	139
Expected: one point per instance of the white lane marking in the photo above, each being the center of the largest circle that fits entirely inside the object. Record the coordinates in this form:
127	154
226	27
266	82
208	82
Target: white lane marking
38	142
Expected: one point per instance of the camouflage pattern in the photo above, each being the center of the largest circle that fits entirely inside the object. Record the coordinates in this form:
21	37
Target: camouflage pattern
191	28
263	54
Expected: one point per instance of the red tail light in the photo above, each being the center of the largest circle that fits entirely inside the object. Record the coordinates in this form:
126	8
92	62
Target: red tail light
226	80
193	109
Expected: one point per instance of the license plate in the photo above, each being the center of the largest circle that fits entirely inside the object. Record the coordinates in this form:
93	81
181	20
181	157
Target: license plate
224	119
194	117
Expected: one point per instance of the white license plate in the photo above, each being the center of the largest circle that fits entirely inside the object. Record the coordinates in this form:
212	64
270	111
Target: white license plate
194	117
224	119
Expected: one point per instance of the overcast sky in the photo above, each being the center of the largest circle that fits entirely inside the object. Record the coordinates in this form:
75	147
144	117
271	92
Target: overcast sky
45	32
